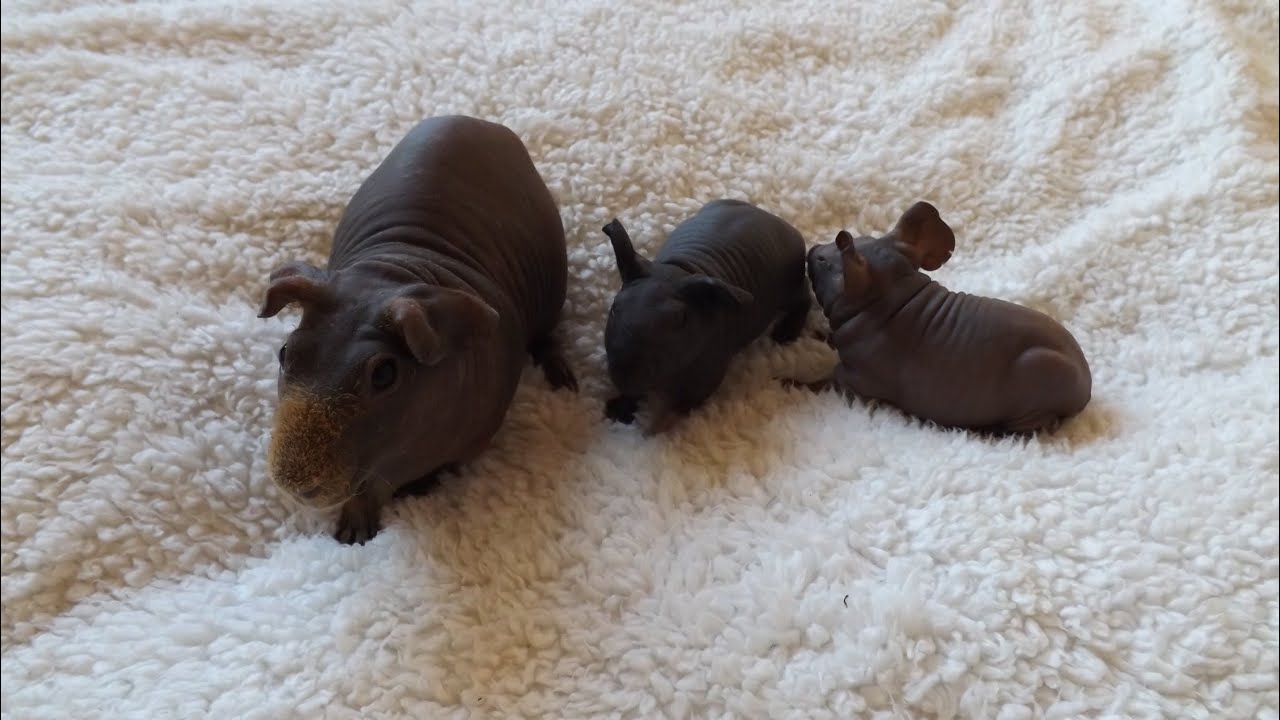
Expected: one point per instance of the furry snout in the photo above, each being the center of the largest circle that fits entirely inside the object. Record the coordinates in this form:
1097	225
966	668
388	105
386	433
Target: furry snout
305	457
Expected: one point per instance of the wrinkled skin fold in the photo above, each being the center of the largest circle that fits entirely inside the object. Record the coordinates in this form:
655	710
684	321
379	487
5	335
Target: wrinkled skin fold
721	279
951	358
446	273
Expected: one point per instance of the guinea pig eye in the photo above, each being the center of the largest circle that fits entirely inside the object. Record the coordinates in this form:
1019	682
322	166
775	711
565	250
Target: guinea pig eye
383	375
280	355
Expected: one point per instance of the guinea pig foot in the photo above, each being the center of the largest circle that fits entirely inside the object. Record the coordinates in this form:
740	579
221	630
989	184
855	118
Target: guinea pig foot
426	484
621	409
821	335
814	387
547	354
1033	424
791	325
661	422
359	520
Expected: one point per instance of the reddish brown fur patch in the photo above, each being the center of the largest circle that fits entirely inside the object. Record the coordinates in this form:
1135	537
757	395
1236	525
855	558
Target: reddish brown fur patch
306	446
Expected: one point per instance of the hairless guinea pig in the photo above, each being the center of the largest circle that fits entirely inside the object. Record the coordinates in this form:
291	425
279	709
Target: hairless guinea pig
955	359
718	282
448	265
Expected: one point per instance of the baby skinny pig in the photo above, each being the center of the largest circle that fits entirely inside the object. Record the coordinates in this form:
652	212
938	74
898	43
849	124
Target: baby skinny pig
718	282
447	270
955	359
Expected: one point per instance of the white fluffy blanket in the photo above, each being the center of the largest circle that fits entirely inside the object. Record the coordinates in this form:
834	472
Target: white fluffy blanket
781	555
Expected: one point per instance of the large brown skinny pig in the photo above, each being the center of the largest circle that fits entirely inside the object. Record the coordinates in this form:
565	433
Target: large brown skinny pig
447	267
955	359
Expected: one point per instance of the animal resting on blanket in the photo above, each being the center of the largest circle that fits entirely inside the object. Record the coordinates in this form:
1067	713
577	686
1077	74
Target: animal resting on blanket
955	359
448	266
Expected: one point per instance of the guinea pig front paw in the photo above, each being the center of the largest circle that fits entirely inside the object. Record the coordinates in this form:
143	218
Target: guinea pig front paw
549	355
662	421
821	335
817	386
358	522
621	409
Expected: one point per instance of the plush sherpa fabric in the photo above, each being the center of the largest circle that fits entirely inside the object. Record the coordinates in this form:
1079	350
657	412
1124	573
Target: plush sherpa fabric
780	555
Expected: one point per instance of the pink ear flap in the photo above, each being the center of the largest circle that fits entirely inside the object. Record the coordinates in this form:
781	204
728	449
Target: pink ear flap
437	322
295	282
923	237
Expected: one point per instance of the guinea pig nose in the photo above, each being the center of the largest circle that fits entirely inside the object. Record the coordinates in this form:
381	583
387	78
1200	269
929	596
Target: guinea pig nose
310	493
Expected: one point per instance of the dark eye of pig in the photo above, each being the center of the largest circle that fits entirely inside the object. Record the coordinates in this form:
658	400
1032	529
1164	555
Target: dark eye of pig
383	375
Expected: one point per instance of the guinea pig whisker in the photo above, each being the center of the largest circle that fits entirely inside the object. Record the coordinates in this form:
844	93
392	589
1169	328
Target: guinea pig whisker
334	506
370	477
362	482
294	503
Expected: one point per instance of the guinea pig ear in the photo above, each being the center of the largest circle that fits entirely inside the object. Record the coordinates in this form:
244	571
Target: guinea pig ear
923	237
631	265
844	241
440	322
298	282
852	264
703	291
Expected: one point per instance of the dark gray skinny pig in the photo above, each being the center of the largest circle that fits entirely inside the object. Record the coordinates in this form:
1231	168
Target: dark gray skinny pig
722	277
447	267
955	359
